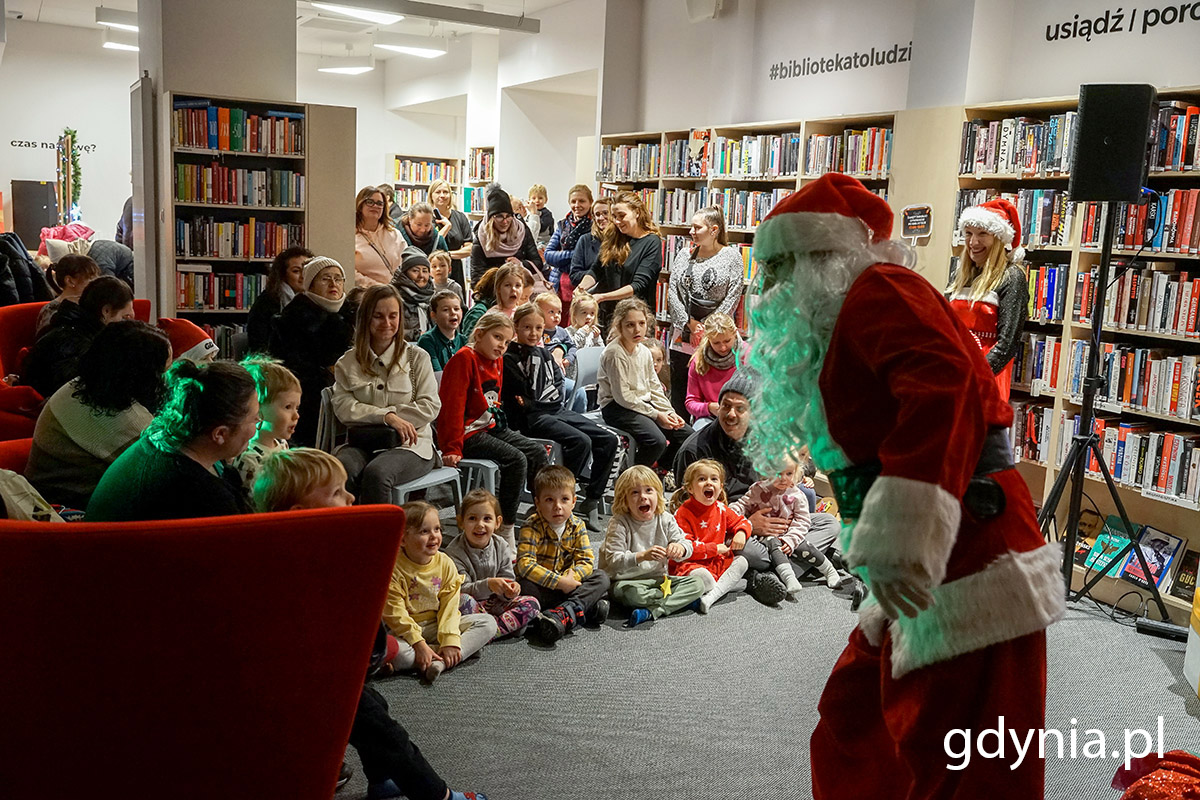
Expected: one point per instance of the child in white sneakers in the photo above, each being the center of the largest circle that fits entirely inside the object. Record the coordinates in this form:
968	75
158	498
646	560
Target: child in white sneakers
714	530
642	538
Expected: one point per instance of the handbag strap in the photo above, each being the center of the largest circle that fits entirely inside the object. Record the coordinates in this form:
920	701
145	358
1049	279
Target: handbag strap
412	372
386	262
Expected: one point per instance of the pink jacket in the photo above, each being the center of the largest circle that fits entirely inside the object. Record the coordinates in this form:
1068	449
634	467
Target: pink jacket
706	388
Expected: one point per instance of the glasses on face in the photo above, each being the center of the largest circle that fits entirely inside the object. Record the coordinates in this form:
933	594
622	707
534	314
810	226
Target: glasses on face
501	217
373	203
332	280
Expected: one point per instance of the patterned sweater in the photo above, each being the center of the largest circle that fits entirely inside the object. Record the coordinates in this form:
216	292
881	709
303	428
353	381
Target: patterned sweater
423	593
470	393
791	505
706	528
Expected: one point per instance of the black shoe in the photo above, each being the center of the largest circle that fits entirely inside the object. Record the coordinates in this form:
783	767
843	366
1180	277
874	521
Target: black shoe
858	594
589	512
836	559
765	587
547	629
599	613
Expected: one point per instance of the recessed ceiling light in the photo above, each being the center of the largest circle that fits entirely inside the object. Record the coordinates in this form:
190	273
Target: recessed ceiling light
378	17
422	46
346	65
116	18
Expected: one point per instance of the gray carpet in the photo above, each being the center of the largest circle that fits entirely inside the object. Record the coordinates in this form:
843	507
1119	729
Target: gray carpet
722	706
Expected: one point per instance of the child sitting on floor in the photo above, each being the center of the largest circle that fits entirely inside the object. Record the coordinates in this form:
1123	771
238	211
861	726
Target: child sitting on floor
279	411
486	564
555	563
393	765
422	601
782	498
642	537
584	330
714	530
439	269
444	337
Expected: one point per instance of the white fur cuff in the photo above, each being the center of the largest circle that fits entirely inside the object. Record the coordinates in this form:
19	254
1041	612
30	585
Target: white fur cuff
906	524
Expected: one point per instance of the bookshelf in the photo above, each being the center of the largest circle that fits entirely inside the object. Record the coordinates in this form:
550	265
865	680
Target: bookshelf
411	176
1022	151
481	170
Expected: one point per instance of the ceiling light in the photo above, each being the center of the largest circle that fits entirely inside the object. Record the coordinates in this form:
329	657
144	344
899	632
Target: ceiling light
378	17
116	18
346	65
118	40
421	46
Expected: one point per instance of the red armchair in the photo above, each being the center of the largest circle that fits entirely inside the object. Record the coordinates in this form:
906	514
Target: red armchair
193	659
14	454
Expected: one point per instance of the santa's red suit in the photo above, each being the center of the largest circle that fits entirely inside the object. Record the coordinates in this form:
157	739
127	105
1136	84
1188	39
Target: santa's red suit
912	412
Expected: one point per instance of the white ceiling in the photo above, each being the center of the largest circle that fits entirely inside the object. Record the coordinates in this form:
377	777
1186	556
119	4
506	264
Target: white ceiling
317	32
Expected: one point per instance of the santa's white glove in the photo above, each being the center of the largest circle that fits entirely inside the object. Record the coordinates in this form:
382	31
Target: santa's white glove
899	590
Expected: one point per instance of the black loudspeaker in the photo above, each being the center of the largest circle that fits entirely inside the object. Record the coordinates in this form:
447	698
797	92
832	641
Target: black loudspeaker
1112	135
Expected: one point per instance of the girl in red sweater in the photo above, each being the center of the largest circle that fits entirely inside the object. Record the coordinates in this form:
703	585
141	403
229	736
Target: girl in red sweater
715	531
471	422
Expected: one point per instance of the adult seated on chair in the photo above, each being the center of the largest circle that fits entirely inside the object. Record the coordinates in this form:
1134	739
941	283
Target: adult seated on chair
285	280
92	419
385	391
54	358
177	469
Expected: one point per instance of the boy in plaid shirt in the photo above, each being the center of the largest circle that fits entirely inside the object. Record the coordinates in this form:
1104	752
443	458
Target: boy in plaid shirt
555	562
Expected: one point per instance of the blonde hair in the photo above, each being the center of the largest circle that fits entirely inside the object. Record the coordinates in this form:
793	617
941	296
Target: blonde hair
715	324
485	288
270	377
548	299
440	255
607	202
286	476
581	301
478	497
491	320
439	183
538	190
636	476
517	203
525	310
981	280
580	188
552	477
681	494
414	515
624	308
614	245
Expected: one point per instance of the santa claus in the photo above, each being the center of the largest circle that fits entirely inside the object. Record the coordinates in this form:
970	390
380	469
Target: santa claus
863	360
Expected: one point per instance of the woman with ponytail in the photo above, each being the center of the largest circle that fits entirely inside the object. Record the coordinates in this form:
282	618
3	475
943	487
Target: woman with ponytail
68	276
177	469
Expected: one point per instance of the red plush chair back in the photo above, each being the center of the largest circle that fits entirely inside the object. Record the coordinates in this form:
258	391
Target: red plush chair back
14	454
17	326
212	658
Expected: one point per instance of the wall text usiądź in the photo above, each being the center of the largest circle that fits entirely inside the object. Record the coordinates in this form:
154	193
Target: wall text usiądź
1117	20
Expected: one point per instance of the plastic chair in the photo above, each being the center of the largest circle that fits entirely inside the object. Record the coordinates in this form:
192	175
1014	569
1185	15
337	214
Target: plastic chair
437	477
554	451
477	473
587	366
329	427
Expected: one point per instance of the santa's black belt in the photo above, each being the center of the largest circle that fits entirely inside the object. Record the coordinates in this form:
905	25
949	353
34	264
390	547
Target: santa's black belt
984	496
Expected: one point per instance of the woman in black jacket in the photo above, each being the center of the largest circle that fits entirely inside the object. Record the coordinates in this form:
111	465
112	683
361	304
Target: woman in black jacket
503	238
285	280
630	258
311	334
54	358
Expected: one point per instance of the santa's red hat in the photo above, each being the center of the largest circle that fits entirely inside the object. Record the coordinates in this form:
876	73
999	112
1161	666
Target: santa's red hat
998	217
188	340
833	213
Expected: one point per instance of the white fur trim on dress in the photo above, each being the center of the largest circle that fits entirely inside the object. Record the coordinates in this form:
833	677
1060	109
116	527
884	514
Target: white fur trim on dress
990	221
811	231
907	524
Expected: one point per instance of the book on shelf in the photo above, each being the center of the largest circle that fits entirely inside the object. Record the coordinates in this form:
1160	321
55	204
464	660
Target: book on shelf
223	336
743	208
1047	292
1046	214
1153	298
688	158
204	237
1035	365
1110	541
481	164
763	155
1159	463
1169	223
1173	137
1148	379
216	184
680	205
416	170
865	152
1183	584
1017	145
203	124
210	291
630	161
1030	431
474	199
1090	526
1160	549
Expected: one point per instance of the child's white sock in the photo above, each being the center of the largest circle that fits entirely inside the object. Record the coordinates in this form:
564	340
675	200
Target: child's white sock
788	576
729	578
833	578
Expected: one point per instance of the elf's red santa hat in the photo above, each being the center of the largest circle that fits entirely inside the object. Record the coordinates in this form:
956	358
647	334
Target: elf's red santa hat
833	213
998	217
188	340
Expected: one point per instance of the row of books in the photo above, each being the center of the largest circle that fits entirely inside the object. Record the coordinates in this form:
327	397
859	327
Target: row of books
1153	299
199	123
765	155
1035	365
1017	145
1046	214
1139	378
407	195
745	209
481	165
1161	464
474	198
223	336
217	184
1169	223
1048	292
410	170
1174	137
1172	566
204	237
680	205
216	291
861	153
688	158
1030	431
630	161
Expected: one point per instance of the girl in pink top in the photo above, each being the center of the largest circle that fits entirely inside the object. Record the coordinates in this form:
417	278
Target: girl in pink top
717	356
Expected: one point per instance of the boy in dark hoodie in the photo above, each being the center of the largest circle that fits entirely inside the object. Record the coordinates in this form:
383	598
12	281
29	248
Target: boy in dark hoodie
533	399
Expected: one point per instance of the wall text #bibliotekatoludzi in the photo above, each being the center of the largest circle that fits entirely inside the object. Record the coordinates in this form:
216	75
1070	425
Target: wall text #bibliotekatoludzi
875	57
1115	20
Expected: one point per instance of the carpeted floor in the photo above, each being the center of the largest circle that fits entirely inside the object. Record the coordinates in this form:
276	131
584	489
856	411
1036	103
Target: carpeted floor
722	706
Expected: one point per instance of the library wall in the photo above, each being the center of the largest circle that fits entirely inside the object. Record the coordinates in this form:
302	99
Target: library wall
90	94
565	45
539	138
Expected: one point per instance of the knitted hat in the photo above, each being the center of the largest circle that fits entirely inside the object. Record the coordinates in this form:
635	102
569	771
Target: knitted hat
741	383
498	201
413	256
314	265
998	217
188	340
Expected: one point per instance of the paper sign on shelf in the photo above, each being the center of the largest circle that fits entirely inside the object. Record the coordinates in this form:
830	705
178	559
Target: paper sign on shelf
916	222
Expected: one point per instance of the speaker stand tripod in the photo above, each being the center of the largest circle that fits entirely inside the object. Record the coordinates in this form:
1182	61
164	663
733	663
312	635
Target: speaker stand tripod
1084	445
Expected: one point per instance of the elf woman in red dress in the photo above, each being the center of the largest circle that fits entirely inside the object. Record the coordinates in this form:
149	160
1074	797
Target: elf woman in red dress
990	293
